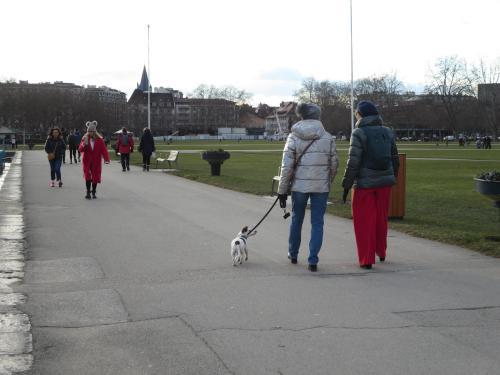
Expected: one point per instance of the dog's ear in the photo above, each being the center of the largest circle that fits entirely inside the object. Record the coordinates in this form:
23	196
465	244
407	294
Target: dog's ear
244	229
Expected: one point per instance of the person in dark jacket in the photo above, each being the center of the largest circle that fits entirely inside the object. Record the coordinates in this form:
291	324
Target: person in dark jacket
55	149
371	169
78	137
146	147
73	143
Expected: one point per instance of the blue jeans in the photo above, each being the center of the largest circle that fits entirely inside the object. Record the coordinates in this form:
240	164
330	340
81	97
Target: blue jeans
55	169
318	208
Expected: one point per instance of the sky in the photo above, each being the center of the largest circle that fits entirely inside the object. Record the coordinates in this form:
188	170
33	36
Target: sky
264	47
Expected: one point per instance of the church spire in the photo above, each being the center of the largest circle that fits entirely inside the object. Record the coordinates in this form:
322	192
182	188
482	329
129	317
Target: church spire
144	85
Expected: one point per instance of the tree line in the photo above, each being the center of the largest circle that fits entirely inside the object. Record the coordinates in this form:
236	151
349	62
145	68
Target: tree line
449	101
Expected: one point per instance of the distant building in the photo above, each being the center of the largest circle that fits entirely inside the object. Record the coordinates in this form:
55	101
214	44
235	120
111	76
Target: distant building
113	103
283	118
171	113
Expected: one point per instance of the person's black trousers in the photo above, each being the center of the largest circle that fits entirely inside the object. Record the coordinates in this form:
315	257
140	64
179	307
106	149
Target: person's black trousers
125	159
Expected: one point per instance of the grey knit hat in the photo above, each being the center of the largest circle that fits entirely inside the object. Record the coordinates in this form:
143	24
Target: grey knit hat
308	111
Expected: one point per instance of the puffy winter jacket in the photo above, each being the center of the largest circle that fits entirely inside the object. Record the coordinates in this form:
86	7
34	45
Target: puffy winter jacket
373	156
55	145
317	167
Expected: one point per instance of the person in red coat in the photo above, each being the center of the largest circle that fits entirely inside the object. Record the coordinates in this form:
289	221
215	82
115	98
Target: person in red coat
125	146
94	150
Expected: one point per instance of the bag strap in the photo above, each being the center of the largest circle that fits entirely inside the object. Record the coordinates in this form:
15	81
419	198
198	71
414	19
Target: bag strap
297	161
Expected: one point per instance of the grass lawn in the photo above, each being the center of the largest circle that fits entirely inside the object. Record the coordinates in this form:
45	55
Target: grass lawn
441	203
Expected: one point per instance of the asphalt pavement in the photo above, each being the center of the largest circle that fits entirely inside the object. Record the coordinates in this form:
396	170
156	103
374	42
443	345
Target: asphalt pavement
140	281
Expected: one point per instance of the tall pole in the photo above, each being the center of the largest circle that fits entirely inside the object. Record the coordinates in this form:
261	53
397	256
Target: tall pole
352	73
149	88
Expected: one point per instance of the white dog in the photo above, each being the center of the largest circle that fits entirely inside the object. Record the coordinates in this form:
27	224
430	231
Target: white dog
239	250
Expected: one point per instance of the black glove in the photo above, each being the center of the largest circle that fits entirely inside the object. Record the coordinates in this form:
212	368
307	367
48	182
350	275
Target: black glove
282	198
344	196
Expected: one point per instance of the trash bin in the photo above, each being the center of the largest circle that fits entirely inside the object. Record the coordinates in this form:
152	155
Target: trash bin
397	203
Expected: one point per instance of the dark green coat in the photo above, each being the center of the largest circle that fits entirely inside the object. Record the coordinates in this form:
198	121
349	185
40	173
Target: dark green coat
373	156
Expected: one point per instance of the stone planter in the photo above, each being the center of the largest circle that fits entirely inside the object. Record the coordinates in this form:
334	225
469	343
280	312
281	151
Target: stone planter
491	190
215	159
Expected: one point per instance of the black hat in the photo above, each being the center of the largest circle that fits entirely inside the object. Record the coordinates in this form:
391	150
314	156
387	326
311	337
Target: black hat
367	108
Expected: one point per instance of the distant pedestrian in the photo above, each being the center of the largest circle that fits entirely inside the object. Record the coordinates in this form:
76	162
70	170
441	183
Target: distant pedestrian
125	146
78	137
55	148
64	135
13	142
307	170
94	150
146	147
372	169
73	143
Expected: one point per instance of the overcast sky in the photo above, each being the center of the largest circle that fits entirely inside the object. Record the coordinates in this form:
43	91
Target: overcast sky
265	47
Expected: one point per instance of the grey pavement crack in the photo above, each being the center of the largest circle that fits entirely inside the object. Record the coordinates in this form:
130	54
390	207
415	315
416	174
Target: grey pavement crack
449	309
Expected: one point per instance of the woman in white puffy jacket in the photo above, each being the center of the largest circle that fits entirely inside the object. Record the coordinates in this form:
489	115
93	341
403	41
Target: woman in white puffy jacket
311	178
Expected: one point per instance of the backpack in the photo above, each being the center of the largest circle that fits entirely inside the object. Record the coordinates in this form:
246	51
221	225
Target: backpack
378	148
125	139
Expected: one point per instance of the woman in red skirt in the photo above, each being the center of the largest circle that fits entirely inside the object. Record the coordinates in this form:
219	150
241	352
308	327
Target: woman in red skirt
371	169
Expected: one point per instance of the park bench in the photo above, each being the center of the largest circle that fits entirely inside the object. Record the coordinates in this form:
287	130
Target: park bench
171	158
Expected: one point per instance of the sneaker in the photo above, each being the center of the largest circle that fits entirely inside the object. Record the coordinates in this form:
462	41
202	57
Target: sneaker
147	168
292	260
123	170
51	184
312	267
128	168
60	184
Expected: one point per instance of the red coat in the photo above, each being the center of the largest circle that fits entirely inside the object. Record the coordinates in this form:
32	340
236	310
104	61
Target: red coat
125	149
92	158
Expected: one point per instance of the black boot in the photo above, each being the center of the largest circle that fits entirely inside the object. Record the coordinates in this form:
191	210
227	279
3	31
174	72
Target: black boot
94	188
144	167
88	195
147	168
87	184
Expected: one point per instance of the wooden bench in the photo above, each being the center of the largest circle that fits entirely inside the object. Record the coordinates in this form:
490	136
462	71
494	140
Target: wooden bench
276	180
171	158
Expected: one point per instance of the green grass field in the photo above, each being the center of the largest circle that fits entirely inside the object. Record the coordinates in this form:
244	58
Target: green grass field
441	203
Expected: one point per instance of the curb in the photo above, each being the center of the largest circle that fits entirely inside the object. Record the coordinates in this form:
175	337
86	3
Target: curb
15	328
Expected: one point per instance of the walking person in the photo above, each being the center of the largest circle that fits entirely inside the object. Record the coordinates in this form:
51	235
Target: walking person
64	135
372	168
308	168
55	148
125	146
146	147
73	143
94	150
78	137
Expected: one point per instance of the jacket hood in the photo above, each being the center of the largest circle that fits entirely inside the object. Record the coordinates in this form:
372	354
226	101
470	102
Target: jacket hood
308	129
370	120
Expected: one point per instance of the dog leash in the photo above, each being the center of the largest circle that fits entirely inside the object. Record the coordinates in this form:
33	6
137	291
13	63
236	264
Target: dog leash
267	213
295	165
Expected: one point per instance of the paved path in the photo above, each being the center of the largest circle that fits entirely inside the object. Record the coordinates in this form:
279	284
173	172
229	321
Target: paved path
140	281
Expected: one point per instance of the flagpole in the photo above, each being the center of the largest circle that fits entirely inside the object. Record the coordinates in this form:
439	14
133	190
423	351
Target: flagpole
352	73
149	88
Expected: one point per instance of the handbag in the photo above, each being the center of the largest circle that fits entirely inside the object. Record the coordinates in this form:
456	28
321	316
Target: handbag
52	155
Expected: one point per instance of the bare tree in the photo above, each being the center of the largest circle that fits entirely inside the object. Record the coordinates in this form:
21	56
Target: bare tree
226	92
306	92
451	82
382	89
